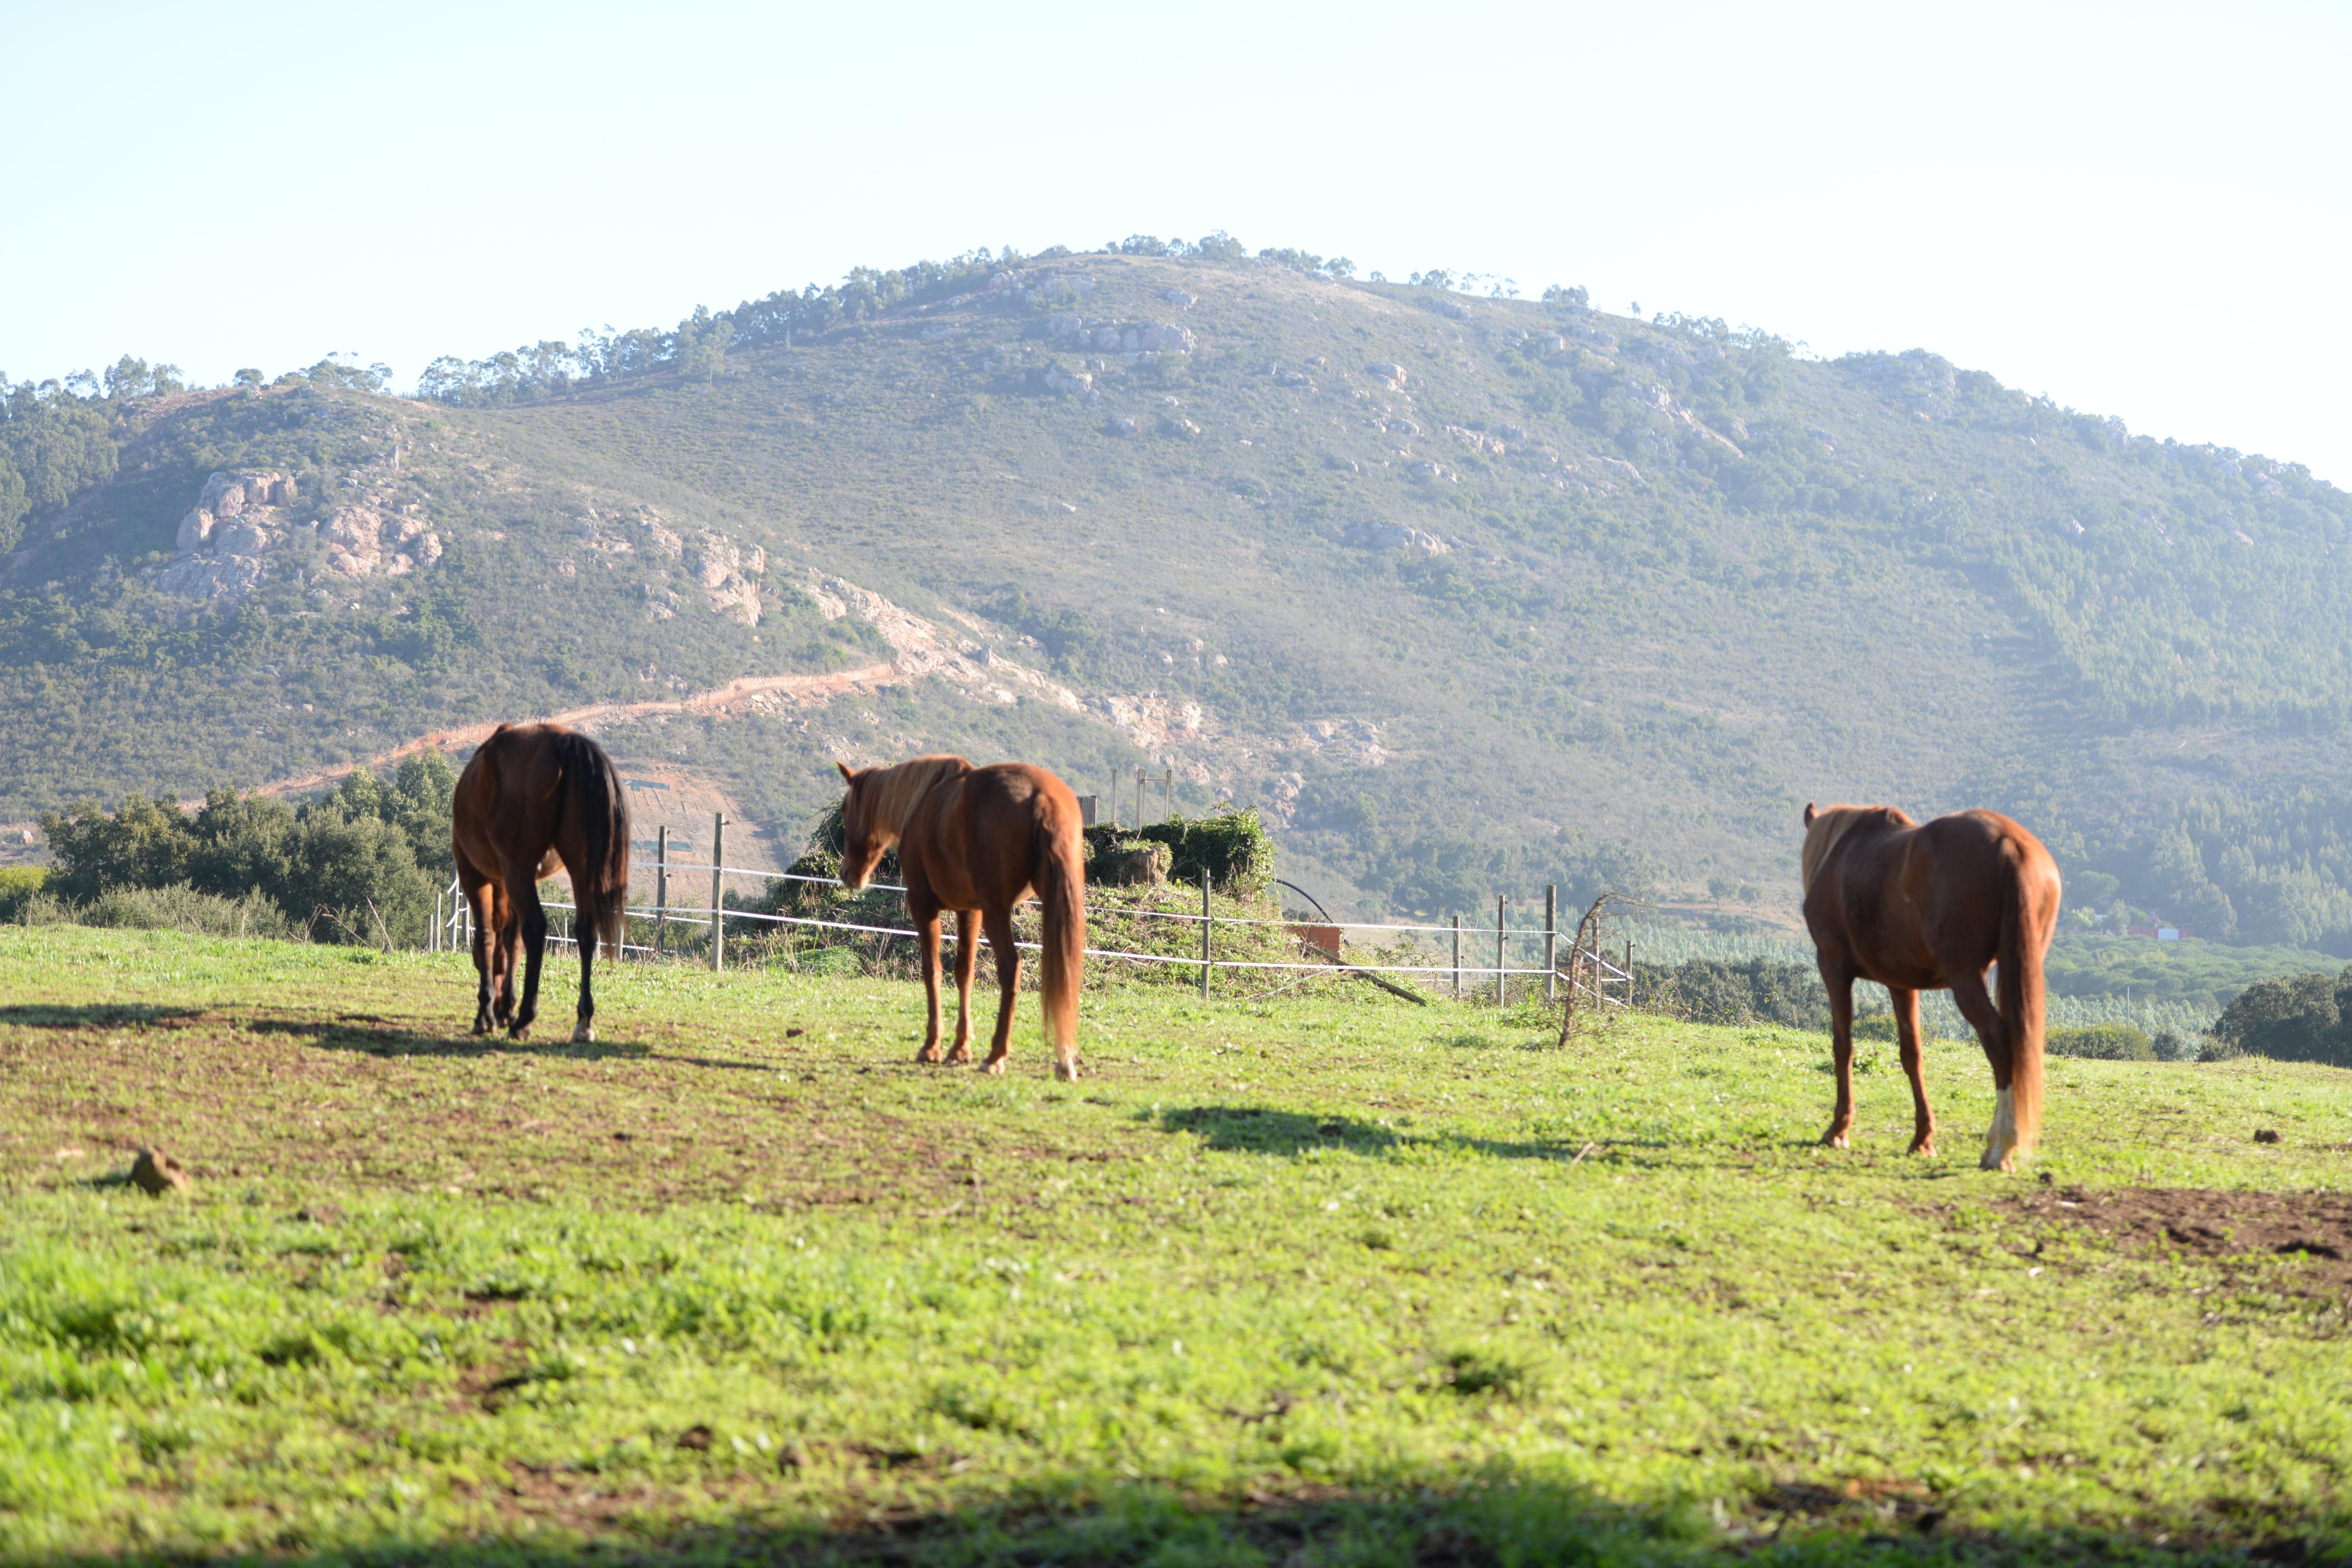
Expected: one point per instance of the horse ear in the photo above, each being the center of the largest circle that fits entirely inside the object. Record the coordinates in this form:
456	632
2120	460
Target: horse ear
852	778
1809	813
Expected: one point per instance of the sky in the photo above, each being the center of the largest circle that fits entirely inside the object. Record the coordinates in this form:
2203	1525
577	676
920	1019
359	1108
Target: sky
2140	211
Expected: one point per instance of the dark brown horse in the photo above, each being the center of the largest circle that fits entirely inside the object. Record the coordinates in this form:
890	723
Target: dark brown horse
535	794
978	841
1929	908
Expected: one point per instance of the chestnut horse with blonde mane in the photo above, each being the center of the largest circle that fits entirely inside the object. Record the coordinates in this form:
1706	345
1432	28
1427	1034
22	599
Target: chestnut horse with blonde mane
1929	908
534	795
978	841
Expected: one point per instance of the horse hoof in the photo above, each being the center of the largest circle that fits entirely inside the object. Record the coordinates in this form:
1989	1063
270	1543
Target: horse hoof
993	1067
1925	1146
929	1054
585	1035
1066	1071
960	1058
1835	1141
520	1033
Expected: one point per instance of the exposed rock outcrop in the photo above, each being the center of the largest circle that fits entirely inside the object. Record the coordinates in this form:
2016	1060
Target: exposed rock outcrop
1391	536
725	570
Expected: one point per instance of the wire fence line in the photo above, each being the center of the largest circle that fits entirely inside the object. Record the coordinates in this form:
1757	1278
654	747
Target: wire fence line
1590	971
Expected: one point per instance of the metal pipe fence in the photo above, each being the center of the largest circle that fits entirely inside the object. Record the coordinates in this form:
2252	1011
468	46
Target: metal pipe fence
1589	969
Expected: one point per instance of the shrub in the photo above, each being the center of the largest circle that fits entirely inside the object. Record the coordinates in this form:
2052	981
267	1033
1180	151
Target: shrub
358	865
182	908
1231	846
18	884
1710	991
1129	863
2299	1018
2101	1042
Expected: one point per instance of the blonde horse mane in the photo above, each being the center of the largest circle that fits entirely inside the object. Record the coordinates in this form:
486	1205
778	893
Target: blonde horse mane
898	789
1830	825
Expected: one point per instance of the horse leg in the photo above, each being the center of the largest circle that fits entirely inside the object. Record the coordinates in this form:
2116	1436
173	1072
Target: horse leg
584	1027
967	956
927	938
1907	1030
1008	985
1841	990
532	929
505	935
482	899
1975	1004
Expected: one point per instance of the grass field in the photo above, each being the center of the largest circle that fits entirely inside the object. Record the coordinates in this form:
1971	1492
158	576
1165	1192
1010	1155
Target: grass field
1331	1279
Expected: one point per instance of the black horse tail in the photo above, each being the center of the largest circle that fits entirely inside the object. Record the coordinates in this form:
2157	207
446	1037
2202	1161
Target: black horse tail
594	798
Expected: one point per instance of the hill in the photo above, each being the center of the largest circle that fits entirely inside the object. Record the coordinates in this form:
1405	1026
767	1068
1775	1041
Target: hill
1467	594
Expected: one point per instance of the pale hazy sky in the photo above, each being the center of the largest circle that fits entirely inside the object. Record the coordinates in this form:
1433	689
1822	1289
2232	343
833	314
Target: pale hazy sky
2140	210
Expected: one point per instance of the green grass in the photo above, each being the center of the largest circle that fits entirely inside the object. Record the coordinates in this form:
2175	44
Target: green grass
1330	1279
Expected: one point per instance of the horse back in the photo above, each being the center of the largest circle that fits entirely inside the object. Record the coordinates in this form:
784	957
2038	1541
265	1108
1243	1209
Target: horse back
519	809
975	841
1909	905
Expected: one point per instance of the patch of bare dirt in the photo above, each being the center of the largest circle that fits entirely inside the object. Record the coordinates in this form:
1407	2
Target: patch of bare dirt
2313	1227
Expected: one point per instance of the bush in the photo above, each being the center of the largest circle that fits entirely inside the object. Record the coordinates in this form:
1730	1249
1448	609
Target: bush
359	865
2296	1019
2101	1042
18	884
2172	1046
1710	991
182	908
1231	846
1129	863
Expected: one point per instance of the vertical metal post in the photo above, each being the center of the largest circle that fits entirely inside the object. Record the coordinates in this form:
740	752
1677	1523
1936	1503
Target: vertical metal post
1167	795
433	942
661	890
1499	951
1114	799
718	888
1457	956
1551	942
1206	927
1629	971
1139	779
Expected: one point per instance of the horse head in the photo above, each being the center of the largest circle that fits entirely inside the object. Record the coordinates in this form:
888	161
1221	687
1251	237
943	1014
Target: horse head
864	840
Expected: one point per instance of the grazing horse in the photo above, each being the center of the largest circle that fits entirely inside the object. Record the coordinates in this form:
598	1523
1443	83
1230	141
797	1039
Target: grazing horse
978	841
1928	908
532	796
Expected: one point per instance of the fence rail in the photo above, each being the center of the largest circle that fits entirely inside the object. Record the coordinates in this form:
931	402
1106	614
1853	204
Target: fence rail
1588	971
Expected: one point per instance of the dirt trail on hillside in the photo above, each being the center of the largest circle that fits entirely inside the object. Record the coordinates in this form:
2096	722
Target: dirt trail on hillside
800	691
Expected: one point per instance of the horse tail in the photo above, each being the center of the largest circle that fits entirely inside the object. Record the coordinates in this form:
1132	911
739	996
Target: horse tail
1061	883
2020	1001
594	796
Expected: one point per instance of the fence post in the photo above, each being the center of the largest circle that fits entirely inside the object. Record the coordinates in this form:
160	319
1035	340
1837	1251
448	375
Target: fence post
1205	928
661	890
718	888
1167	795
1629	972
1142	779
1457	956
1500	966
1552	944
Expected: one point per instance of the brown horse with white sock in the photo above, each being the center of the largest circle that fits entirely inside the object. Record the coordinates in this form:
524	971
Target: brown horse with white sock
1929	908
978	841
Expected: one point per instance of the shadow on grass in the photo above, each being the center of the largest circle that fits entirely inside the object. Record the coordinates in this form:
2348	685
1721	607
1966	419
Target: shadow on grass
380	1037
1256	1129
94	1014
1539	1526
